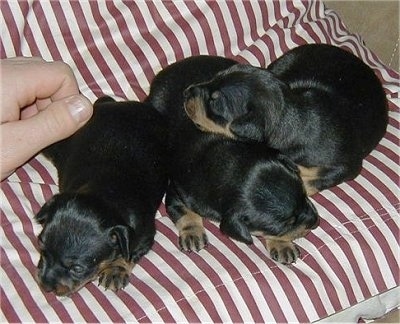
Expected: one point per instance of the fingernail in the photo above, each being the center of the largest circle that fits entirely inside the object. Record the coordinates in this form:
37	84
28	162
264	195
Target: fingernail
79	107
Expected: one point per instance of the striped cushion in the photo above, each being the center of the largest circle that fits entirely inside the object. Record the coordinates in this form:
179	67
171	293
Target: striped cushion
116	48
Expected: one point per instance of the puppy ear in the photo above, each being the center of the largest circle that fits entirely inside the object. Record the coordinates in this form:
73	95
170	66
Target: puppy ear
235	228
246	127
122	236
44	215
288	163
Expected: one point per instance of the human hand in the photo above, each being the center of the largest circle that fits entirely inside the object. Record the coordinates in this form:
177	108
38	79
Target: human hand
40	104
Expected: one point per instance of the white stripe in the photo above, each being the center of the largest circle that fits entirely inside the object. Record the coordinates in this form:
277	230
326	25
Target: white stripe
199	274
6	39
393	187
14	298
72	309
167	298
177	31
195	26
81	45
93	304
20	22
215	26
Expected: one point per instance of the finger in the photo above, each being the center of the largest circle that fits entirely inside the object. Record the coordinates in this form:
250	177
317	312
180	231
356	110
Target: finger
29	79
22	139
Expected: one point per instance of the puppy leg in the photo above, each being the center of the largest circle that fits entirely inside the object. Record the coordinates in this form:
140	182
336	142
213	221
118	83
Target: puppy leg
282	249
115	274
192	236
284	252
319	178
309	176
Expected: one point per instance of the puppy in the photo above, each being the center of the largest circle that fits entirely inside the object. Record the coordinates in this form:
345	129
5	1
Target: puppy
112	178
250	190
318	104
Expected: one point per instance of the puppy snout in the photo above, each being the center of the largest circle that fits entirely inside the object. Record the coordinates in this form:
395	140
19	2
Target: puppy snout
192	91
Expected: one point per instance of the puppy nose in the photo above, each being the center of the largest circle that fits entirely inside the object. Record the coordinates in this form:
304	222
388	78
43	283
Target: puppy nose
316	224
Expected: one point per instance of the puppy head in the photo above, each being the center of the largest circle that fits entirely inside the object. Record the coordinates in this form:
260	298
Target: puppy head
274	204
240	102
76	240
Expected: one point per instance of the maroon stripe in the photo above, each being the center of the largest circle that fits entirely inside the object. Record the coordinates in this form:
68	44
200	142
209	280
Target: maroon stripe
207	269
201	264
58	307
379	185
92	48
372	262
45	29
390	173
16	280
367	195
202	21
31	199
131	304
164	28
62	21
365	247
222	27
181	21
102	299
42	171
173	288
23	175
233	270
296	38
17	208
309	30
291	294
153	297
239	31
113	48
311	289
84	309
132	44
12	28
27	32
345	247
148	36
6	307
391	155
387	252
251	19
328	284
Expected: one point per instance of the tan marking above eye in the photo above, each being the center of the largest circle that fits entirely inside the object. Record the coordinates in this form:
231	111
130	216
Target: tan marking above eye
308	175
194	108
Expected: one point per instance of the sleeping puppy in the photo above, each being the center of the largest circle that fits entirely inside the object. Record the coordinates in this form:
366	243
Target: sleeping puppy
250	190
112	180
318	104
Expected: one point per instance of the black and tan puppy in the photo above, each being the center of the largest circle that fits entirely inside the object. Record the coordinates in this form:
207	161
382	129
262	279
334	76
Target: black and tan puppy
112	178
248	189
318	104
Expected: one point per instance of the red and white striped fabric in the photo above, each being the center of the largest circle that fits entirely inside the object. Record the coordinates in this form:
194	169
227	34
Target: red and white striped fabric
116	48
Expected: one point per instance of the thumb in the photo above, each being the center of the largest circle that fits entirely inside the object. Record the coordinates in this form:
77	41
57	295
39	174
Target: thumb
22	139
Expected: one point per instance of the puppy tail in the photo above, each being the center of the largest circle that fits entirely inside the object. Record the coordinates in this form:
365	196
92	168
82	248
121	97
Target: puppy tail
234	227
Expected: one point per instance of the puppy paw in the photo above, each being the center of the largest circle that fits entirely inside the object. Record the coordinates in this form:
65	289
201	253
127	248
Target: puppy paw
115	275
282	251
193	238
